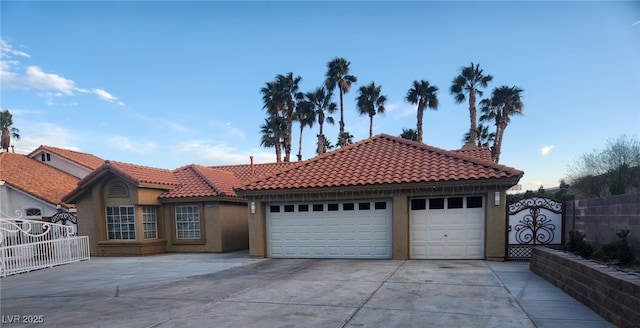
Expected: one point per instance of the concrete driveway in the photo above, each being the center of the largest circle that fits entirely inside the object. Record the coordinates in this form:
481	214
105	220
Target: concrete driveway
233	290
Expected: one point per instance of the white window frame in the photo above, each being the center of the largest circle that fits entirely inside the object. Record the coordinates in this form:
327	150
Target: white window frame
121	223
188	222
149	222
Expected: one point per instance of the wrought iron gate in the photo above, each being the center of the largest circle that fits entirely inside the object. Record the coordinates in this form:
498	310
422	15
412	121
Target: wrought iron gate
533	221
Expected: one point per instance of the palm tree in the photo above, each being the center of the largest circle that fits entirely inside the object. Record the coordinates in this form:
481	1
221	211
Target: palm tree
321	102
271	131
306	116
470	79
8	131
326	146
483	136
338	75
505	102
425	96
344	139
287	87
409	134
370	102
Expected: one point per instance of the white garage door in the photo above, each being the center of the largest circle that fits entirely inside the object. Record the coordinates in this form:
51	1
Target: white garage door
447	228
357	229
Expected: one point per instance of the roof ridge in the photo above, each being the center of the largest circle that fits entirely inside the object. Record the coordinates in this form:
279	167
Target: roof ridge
201	175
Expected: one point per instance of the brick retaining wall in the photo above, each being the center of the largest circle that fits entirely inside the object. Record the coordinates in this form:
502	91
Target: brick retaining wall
612	294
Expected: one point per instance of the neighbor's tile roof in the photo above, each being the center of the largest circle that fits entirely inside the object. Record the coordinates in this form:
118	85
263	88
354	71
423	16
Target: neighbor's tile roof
136	173
475	151
383	159
201	181
35	178
87	160
246	173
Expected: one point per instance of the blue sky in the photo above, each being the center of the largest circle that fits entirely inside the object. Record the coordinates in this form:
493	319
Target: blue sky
166	84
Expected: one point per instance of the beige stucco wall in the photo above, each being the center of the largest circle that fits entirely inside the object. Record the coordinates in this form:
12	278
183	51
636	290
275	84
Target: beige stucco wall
495	229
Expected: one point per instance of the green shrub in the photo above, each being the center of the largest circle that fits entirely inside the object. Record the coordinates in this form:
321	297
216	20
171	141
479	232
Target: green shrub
578	244
619	249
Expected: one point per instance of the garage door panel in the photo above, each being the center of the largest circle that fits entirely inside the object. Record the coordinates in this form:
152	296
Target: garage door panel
450	233
330	234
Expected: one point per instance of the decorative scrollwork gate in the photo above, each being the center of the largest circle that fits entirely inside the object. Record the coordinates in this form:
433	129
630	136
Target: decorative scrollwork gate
533	221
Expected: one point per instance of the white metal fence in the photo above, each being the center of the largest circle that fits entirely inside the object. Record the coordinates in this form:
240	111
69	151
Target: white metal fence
27	245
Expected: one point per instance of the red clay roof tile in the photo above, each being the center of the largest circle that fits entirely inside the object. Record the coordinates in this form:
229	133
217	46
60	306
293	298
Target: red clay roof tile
246	173
201	181
87	160
384	159
35	178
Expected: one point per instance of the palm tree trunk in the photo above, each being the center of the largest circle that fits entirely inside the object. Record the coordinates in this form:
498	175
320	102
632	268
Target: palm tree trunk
370	126
472	114
278	146
341	117
300	144
421	107
320	149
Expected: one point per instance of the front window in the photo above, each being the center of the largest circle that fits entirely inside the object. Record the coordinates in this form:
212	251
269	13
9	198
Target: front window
149	222
187	222
33	212
121	223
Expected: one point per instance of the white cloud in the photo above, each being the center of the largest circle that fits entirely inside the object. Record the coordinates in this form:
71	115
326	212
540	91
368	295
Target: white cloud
636	23
6	50
35	78
207	153
36	134
39	80
400	111
227	128
125	144
103	95
544	151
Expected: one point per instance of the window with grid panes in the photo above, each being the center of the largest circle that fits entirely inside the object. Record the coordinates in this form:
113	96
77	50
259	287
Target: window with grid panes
187	222
149	222
121	223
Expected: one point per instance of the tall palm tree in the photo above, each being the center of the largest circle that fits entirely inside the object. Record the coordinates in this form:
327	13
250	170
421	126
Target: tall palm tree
338	75
424	95
469	81
370	101
287	87
504	103
8	131
409	134
306	116
484	137
271	131
320	99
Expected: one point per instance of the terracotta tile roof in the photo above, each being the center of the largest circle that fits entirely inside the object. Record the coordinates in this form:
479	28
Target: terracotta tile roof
87	160
245	174
35	178
475	151
201	181
383	159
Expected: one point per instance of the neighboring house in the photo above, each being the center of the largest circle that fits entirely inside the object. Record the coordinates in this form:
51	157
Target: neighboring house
128	209
383	197
30	189
75	163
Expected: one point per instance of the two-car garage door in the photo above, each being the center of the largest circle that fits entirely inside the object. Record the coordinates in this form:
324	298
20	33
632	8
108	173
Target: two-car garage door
355	229
439	228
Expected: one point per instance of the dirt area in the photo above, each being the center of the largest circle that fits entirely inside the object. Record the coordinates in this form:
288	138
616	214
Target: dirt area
631	267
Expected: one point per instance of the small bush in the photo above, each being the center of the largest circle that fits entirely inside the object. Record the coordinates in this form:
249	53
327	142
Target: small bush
619	249
578	244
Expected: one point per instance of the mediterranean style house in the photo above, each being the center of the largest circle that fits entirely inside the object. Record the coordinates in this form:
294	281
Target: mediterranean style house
32	186
381	198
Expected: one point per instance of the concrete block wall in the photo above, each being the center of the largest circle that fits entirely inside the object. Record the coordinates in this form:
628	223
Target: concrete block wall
601	218
612	294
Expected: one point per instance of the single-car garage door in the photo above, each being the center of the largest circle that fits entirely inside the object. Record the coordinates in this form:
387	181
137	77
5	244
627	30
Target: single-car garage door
356	229
447	228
